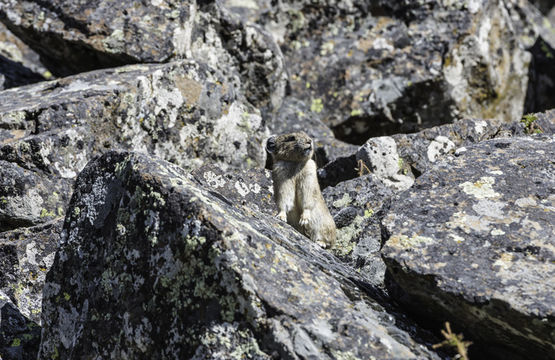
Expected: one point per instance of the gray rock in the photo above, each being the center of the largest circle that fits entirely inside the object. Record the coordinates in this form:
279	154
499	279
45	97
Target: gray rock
355	205
19	337
184	112
381	68
19	65
379	156
472	242
72	37
26	255
238	188
27	198
179	267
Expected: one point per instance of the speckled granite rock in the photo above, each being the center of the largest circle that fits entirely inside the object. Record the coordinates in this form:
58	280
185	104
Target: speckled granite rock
355	205
247	189
472	242
26	255
76	36
178	264
183	112
374	69
19	337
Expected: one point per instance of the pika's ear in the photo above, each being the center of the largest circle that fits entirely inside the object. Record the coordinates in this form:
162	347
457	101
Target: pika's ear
271	144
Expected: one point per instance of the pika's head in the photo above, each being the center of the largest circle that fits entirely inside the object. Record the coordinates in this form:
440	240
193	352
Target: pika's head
296	147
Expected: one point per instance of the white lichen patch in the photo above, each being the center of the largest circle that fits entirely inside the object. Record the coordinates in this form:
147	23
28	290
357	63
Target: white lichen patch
468	223
497	232
242	188
441	145
213	180
525	202
458	239
481	189
493	209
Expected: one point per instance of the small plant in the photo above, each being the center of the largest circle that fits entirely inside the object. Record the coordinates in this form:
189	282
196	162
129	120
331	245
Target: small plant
454	340
361	168
530	125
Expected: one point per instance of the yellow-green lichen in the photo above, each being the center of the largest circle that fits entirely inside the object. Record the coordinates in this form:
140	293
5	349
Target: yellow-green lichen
16	342
316	106
45	213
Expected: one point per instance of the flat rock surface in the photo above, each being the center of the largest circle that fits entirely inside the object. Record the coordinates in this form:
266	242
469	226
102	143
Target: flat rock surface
473	241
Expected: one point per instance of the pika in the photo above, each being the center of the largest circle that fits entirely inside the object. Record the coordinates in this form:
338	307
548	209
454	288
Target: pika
296	189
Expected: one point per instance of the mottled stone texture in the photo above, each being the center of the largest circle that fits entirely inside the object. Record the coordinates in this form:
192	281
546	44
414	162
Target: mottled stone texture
153	266
76	36
378	68
472	242
184	112
19	336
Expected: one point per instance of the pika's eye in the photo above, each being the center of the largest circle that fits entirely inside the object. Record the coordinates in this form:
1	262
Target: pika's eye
271	145
290	138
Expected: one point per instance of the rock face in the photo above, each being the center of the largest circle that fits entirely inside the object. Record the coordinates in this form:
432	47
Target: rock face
19	65
375	69
184	112
26	256
472	241
181	270
73	36
19	337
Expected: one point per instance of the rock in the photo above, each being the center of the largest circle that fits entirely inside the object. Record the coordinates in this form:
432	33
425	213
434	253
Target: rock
25	257
239	188
181	269
294	115
471	242
19	65
74	37
355	204
27	198
341	169
100	34
544	6
19	337
183	112
381	68
379	156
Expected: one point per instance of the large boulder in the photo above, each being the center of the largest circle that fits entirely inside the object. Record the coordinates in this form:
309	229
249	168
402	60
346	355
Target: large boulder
380	68
184	112
152	265
472	242
74	36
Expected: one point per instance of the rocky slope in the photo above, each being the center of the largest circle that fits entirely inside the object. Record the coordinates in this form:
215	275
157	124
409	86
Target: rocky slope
137	221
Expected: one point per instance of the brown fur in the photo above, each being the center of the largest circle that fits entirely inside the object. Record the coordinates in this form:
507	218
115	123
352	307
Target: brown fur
296	189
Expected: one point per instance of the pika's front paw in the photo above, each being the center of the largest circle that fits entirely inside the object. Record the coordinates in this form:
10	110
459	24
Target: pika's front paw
305	217
281	215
